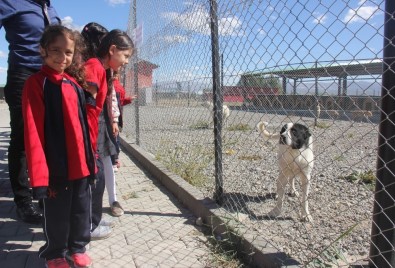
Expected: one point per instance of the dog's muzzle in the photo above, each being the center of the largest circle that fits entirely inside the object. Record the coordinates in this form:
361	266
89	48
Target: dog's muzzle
283	139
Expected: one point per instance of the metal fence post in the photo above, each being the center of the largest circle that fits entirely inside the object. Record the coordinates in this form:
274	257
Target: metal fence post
218	102
382	252
316	115
135	79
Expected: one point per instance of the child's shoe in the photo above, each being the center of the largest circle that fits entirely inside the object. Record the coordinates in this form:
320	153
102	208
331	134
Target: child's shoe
109	222
101	232
57	263
80	260
116	209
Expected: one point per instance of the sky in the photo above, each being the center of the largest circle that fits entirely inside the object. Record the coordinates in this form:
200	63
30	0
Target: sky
75	14
254	35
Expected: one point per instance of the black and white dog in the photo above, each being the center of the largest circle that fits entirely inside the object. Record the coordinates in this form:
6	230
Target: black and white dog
295	159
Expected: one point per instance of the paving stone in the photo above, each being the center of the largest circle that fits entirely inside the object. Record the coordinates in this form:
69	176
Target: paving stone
123	262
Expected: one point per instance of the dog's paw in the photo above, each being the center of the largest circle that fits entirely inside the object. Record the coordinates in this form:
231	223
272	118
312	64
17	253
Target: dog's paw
307	218
294	194
275	212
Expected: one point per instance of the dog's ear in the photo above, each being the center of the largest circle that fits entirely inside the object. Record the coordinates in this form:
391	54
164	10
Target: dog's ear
307	133
304	131
284	128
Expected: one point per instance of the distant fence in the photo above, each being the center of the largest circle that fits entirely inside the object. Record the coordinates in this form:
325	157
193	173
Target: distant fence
328	61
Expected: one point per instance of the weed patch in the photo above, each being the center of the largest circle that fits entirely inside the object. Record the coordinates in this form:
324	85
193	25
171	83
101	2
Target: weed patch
367	178
223	249
188	163
322	125
239	127
250	157
332	256
200	125
130	195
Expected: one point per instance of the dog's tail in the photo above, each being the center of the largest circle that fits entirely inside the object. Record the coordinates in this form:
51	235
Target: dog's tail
261	127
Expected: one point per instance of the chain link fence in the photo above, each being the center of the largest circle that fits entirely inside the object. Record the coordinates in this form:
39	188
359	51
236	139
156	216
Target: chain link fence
316	63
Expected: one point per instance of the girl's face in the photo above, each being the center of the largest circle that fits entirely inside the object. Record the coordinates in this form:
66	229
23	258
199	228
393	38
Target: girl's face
118	58
59	54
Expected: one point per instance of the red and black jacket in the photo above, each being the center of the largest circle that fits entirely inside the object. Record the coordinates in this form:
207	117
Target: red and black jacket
57	139
95	75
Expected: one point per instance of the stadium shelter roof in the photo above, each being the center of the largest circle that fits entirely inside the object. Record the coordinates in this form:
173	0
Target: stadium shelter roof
351	68
340	70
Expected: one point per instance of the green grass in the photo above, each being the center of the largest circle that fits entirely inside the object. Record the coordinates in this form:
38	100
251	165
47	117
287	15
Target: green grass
367	178
250	157
322	125
331	255
239	127
223	255
200	125
189	163
223	247
176	122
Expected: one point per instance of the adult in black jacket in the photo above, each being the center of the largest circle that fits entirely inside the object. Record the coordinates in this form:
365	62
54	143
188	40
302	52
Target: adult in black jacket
24	22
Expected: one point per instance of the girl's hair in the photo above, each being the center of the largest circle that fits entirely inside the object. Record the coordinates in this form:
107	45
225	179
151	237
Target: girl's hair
52	32
116	37
122	41
76	69
93	34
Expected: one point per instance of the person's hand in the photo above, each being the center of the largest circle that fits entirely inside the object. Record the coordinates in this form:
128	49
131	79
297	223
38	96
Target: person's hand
115	129
128	100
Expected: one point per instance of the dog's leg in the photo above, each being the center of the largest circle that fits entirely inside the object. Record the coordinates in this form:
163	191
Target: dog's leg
305	195
281	184
293	192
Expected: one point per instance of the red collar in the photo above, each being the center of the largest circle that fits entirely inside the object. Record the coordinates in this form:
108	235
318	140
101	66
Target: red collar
53	75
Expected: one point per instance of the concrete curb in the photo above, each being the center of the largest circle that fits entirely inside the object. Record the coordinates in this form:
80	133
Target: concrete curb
257	251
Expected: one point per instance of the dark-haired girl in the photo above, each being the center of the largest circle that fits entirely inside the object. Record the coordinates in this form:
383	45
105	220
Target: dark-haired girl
113	52
59	152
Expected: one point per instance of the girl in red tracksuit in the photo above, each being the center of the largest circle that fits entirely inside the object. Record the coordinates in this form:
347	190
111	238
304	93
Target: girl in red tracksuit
59	152
113	52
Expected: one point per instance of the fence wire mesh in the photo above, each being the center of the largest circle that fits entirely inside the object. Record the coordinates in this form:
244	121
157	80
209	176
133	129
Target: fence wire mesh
316	63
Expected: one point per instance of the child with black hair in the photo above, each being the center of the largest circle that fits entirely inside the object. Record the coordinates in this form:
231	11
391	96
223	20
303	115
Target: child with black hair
113	52
59	152
100	227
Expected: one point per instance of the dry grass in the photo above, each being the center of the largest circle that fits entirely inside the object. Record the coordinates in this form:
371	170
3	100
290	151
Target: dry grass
178	103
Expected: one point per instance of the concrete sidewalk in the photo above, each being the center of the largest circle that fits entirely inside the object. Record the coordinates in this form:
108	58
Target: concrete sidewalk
156	230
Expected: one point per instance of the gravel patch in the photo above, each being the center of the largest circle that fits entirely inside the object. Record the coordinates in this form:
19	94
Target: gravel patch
341	147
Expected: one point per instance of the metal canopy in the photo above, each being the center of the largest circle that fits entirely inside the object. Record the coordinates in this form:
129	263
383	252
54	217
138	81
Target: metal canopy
334	69
369	68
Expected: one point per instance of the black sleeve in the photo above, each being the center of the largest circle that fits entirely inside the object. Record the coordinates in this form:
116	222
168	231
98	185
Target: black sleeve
40	192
